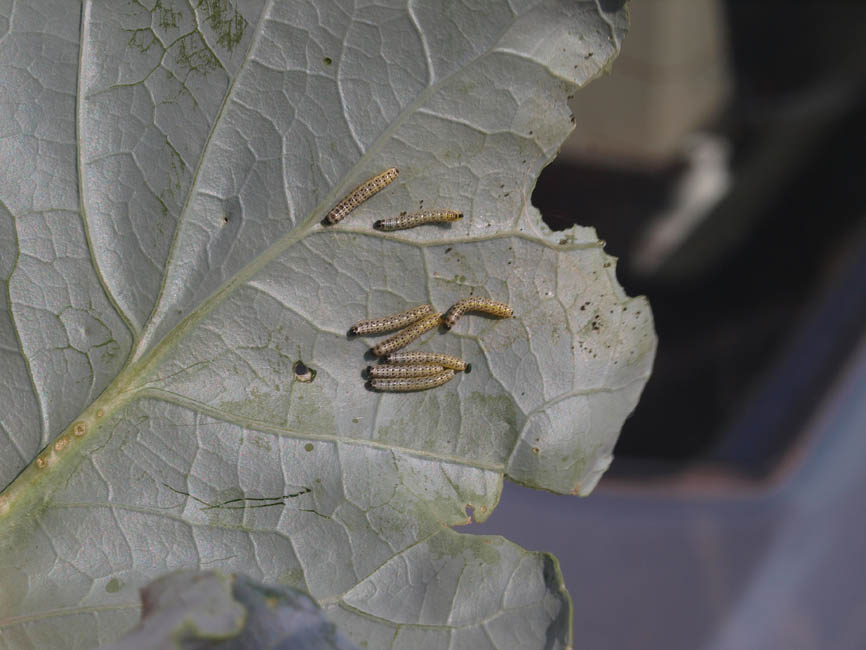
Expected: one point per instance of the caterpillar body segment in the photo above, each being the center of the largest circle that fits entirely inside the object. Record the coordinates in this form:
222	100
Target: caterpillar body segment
486	305
409	357
413	219
405	336
360	194
391	321
402	372
412	383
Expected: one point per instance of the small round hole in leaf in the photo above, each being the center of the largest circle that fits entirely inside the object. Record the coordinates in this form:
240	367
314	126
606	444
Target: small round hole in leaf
303	372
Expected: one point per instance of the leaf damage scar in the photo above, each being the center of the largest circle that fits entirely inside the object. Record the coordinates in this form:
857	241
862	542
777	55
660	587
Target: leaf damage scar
242	503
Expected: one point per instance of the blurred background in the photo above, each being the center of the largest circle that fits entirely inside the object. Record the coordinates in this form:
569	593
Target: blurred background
724	162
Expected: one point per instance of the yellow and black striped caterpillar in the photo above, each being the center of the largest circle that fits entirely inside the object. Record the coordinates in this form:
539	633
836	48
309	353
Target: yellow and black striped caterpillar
488	306
409	357
405	336
413	219
391	321
403	372
413	383
361	193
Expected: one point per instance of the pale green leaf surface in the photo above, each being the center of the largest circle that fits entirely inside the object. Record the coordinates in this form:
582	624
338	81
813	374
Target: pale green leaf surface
167	165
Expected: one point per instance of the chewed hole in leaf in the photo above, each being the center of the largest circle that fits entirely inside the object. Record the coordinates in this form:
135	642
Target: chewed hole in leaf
303	373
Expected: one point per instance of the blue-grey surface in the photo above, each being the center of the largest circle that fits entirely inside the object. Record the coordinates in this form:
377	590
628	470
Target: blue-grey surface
778	567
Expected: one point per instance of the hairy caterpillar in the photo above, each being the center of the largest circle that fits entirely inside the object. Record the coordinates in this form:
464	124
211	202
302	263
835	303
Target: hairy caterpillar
414	383
401	372
413	219
391	321
408	357
488	306
361	193
405	336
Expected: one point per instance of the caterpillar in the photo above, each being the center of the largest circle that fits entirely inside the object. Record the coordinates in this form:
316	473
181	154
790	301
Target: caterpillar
400	372
406	335
413	219
392	321
408	357
361	193
412	383
494	307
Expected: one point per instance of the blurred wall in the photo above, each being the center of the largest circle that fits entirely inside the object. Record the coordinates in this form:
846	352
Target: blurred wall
671	78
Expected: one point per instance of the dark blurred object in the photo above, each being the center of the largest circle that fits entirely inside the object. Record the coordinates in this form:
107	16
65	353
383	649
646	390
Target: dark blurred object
760	293
782	49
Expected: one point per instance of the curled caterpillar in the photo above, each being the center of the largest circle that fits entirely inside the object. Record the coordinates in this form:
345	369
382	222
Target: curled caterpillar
408	357
413	383
400	372
405	336
488	306
417	218
392	321
360	194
